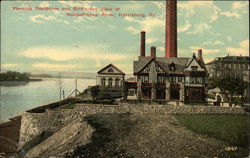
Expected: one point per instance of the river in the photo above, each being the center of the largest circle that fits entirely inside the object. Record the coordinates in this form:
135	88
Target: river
18	96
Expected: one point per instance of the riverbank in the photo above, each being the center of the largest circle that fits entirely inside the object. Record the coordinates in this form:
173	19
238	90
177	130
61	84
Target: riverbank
29	80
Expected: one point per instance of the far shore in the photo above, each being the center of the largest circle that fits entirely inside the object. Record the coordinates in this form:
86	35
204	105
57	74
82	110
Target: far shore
29	80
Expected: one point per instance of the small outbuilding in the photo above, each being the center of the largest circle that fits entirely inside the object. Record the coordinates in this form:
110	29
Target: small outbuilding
110	76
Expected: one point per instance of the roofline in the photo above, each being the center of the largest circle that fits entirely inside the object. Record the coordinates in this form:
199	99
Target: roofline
108	66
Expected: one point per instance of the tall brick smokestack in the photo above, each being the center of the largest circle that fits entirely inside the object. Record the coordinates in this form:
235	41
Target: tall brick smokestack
142	50
171	29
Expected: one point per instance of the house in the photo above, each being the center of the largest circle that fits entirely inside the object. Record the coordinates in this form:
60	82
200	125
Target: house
169	78
110	76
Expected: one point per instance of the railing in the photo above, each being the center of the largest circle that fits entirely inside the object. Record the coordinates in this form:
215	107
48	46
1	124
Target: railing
132	84
146	84
161	85
175	85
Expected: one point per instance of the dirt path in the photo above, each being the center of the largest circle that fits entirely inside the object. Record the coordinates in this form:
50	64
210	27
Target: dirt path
149	136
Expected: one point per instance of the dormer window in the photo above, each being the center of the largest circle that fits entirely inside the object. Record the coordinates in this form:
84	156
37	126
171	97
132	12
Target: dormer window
110	70
148	68
172	67
194	68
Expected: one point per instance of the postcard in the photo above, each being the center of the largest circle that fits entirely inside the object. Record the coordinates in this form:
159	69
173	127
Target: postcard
124	79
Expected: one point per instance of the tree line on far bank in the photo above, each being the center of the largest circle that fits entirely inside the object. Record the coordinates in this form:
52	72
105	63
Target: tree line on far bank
14	76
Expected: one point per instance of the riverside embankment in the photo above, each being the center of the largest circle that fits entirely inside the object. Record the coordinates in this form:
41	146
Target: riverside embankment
40	126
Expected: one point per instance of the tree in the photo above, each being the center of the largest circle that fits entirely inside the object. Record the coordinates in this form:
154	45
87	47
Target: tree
229	87
95	92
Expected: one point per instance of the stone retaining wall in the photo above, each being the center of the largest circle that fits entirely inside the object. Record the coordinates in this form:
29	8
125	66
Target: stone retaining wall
33	124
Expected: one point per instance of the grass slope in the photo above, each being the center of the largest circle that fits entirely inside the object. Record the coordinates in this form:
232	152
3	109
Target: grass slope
233	129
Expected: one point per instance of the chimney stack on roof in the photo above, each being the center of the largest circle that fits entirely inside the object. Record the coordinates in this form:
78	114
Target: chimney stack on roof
200	54
153	52
200	59
142	50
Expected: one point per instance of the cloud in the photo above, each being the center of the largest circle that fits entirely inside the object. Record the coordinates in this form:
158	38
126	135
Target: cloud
147	24
133	30
9	65
35	18
184	28
161	48
93	52
213	43
245	44
193	13
160	5
151	40
40	18
239	5
76	4
190	8
133	5
204	50
243	49
199	28
44	4
230	14
238	9
55	66
229	38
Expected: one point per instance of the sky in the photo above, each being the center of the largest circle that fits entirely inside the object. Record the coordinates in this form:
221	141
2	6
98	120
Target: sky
34	40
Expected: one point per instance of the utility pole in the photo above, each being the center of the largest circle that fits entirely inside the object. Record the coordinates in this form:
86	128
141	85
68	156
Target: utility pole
76	88
60	85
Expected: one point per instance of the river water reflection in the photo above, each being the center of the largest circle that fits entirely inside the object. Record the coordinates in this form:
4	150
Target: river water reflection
18	96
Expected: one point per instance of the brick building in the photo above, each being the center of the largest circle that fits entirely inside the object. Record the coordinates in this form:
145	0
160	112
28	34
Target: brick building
233	66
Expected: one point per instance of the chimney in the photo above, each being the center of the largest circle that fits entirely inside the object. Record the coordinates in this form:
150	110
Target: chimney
153	52
171	29
142	50
200	59
200	54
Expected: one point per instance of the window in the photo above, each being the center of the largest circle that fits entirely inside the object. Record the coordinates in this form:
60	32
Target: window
144	78
172	67
194	68
160	79
117	80
110	70
158	68
103	80
179	79
173	79
110	82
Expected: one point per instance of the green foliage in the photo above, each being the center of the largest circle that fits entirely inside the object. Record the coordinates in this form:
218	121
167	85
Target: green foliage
14	76
229	86
95	92
229	128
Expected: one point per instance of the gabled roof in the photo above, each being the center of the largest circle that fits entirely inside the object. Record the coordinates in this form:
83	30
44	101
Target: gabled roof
150	61
163	62
109	66
200	62
138	65
191	60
